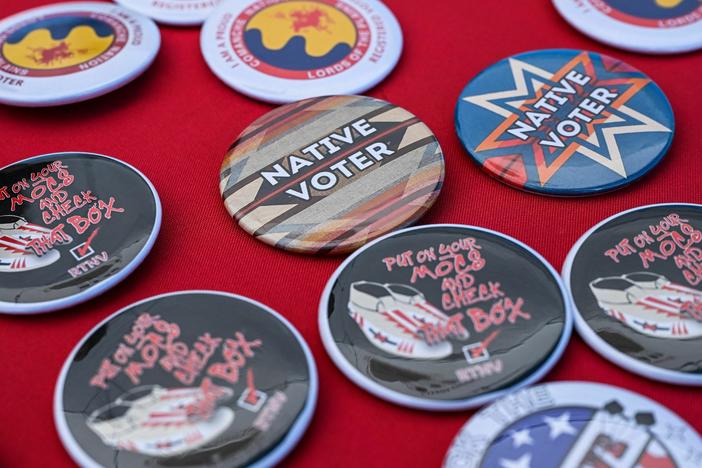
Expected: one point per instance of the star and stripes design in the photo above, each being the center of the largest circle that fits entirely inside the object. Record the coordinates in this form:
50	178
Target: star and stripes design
574	436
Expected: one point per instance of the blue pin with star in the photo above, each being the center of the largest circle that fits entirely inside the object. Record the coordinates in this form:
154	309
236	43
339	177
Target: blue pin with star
564	122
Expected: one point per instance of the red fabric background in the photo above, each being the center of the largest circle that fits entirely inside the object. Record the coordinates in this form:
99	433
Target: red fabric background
175	123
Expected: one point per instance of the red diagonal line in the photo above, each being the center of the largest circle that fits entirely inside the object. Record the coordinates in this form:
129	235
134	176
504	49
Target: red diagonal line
39	229
252	398
167	414
11	240
429	311
485	343
662	301
11	248
399	324
86	246
657	309
411	321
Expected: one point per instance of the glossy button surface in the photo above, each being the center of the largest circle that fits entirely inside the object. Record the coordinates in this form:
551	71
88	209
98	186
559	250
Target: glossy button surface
175	12
72	225
575	424
636	284
194	378
326	175
444	317
653	26
564	122
69	52
282	51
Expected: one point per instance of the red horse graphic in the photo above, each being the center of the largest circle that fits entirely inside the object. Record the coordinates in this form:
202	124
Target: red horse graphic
47	56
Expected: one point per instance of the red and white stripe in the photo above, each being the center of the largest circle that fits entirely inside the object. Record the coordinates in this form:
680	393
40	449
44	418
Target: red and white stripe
405	347
171	418
179	393
431	310
663	306
682	289
680	329
403	322
616	314
34	228
13	245
358	318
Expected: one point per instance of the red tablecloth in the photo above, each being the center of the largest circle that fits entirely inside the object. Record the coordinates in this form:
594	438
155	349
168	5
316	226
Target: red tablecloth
175	123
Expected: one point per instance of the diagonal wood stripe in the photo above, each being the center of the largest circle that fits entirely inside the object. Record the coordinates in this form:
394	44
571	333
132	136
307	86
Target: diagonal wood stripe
332	225
378	216
342	202
397	213
416	132
367	215
328	162
403	190
242	197
262	215
393	114
275	238
277	120
351	205
248	149
281	138
343	207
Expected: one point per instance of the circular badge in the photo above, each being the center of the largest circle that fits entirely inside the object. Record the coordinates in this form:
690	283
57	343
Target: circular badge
70	52
72	225
285	50
564	122
650	26
195	378
444	317
176	12
326	175
636	283
575	424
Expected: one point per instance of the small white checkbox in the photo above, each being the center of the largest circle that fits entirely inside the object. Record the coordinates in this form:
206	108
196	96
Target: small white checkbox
76	252
472	357
243	401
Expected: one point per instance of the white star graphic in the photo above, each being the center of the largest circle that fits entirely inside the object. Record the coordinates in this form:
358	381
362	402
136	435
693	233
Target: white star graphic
610	157
520	91
522	437
559	425
522	462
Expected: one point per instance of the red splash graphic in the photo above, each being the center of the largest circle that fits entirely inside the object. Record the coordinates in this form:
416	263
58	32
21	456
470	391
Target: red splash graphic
310	19
47	56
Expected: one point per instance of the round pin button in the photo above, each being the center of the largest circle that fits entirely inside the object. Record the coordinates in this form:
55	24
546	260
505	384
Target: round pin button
575	424
72	225
444	317
325	175
653	26
194	378
175	12
636	283
70	52
286	50
564	122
